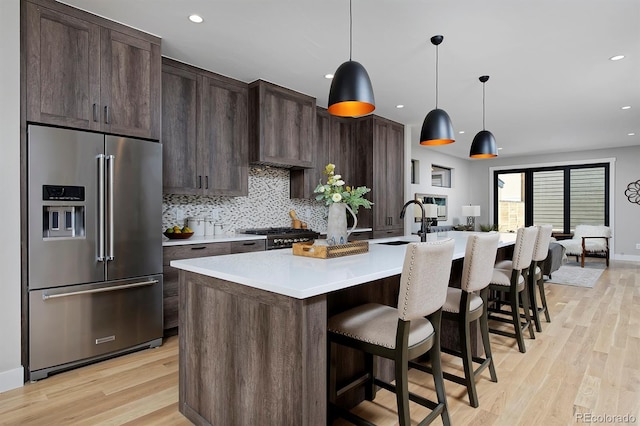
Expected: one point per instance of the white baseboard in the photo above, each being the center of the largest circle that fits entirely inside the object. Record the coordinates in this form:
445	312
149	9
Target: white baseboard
11	379
626	257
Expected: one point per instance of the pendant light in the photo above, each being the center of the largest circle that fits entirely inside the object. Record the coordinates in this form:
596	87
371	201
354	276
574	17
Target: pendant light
437	128
351	93
484	144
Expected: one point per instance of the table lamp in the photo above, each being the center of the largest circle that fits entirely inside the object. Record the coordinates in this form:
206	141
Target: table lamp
430	213
471	212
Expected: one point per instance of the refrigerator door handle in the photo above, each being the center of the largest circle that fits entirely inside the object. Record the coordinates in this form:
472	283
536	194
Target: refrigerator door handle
101	208
110	167
46	296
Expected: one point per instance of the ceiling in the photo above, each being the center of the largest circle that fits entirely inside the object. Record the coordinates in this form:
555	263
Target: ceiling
552	87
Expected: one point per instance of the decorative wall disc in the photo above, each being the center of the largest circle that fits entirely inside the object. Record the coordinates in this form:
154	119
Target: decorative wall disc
633	192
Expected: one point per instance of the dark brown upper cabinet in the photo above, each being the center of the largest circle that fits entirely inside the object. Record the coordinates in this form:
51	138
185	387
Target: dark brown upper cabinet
86	72
333	143
204	132
281	126
180	100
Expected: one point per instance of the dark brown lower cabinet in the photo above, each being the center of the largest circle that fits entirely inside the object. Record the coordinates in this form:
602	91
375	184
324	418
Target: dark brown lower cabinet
361	235
170	275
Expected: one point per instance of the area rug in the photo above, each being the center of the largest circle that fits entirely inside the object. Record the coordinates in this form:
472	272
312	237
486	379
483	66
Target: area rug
574	275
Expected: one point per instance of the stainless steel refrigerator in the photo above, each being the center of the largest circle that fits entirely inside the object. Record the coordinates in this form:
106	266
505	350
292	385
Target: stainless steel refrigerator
94	247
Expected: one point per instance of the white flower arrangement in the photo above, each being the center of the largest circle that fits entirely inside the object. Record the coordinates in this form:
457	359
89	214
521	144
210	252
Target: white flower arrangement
335	191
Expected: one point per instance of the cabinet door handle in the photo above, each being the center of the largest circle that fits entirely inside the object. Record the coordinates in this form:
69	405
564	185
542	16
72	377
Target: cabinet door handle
249	244
199	181
95	112
198	248
107	114
206	180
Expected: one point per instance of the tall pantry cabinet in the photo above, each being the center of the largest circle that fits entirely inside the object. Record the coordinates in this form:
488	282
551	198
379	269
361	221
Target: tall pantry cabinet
381	167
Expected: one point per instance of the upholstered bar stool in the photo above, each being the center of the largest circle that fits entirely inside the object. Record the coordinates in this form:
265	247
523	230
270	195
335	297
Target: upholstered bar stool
512	283
400	334
467	304
536	279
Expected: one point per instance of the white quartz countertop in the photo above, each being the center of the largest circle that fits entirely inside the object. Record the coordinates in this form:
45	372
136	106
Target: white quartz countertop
211	239
281	272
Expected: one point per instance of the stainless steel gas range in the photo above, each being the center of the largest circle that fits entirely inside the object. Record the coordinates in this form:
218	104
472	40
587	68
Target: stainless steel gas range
278	238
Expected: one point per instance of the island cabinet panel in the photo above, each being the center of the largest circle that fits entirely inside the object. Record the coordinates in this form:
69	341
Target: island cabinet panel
333	144
170	275
204	132
281	126
268	366
86	72
380	163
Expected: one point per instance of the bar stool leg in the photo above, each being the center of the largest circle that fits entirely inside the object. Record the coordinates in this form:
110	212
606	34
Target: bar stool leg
436	366
515	315
467	362
484	331
527	309
543	299
402	391
534	303
370	367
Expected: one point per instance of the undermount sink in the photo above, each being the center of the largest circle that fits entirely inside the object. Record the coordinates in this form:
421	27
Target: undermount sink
395	243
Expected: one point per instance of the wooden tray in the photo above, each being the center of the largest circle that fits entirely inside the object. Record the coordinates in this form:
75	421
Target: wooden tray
309	249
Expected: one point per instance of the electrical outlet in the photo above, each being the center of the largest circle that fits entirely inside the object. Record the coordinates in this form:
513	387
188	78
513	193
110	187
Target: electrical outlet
638	246
179	214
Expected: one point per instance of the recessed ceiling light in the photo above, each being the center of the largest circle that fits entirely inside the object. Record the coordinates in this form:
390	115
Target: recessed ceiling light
631	134
616	58
461	131
328	76
499	148
196	19
626	107
399	106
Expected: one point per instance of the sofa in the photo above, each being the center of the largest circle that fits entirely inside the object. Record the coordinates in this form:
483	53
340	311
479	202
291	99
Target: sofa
588	240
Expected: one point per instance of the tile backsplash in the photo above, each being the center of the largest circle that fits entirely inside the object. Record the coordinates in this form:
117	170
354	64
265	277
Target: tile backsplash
267	205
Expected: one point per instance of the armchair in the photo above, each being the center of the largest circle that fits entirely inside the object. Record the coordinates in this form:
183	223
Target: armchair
588	239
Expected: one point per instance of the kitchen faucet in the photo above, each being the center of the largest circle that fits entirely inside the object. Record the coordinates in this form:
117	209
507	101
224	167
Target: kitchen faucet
422	232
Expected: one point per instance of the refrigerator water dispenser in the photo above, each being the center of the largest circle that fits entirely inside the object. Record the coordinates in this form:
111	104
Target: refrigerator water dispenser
66	221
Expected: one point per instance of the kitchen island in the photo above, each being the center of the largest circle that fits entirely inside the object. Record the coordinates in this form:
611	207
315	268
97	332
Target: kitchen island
253	329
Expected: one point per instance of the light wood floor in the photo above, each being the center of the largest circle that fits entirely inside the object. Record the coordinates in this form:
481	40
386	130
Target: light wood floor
587	360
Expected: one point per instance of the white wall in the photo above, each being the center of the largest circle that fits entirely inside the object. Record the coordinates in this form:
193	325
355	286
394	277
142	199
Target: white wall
458	195
11	372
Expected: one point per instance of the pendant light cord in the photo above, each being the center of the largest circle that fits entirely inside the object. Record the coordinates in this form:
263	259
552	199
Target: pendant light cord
436	76
350	30
483	127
